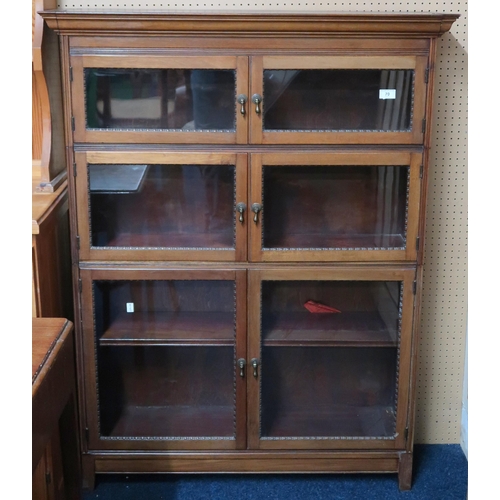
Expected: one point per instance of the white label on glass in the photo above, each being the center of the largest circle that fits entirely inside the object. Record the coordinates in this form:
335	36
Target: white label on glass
130	307
387	94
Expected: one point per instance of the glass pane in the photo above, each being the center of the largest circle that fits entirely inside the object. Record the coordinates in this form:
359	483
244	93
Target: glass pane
164	99
165	358
337	100
162	206
323	207
329	359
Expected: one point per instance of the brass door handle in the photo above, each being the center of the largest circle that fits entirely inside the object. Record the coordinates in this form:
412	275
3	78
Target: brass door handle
241	364
256	208
240	208
242	99
255	363
257	99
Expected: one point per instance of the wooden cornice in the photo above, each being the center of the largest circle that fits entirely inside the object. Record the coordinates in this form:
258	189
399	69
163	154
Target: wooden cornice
95	23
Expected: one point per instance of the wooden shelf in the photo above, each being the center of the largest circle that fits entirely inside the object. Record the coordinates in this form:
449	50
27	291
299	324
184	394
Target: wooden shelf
375	421
168	328
175	421
355	329
221	240
326	241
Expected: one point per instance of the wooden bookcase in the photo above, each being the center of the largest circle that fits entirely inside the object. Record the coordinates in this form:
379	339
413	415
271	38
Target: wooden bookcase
247	205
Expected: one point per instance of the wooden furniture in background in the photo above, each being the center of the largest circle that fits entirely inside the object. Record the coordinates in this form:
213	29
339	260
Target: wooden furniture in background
287	166
48	152
51	259
55	448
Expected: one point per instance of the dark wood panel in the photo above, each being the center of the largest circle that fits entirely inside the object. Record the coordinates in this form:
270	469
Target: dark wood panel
262	462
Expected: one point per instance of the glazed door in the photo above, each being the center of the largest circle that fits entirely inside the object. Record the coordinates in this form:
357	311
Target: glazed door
161	359
159	98
330	354
145	205
356	206
338	99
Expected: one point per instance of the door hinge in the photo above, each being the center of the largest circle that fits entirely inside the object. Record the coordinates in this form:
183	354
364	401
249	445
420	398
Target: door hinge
414	287
48	478
417	244
74	169
423	125
77	242
73	123
80	285
427	74
422	171
406	434
71	73
87	435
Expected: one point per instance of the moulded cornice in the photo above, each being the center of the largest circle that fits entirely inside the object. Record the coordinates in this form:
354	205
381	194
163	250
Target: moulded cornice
328	24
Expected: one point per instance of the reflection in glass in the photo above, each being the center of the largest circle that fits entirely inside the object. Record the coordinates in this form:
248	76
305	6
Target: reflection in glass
337	100
328	207
165	358
167	206
329	374
164	99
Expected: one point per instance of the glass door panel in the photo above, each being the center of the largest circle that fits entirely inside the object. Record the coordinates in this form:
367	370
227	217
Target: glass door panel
338	206
334	99
128	99
165	360
175	205
337	100
160	99
326	313
328	393
331	354
166	392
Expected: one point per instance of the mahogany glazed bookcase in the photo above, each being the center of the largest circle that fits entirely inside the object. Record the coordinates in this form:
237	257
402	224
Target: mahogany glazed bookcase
247	199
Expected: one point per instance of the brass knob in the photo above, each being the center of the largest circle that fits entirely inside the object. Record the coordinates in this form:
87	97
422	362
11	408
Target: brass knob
242	99
240	208
255	363
257	99
241	364
256	208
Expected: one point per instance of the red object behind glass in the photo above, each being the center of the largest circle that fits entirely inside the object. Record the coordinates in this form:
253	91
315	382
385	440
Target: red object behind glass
316	307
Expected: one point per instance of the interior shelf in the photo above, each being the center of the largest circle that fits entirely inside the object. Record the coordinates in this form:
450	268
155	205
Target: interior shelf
170	328
337	421
363	329
175	421
222	240
332	241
